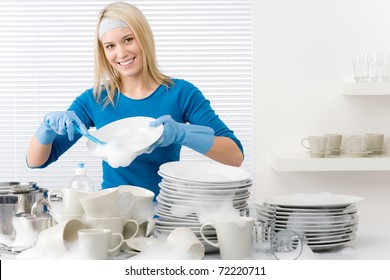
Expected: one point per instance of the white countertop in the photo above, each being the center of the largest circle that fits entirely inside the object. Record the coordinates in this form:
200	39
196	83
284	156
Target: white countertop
372	243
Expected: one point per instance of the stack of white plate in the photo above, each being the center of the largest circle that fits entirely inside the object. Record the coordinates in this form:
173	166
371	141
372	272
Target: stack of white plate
193	190
326	220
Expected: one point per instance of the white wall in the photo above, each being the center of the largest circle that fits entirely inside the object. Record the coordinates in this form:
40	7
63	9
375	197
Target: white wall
303	53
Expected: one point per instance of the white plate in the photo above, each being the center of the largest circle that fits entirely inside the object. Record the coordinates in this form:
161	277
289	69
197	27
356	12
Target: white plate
187	197
205	172
193	201
173	224
318	229
168	215
140	243
203	191
133	133
172	182
313	200
338	238
316	225
330	245
307	210
357	154
199	205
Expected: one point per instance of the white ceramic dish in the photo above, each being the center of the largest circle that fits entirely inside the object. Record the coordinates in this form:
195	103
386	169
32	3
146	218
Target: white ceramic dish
357	154
205	172
174	182
306	210
186	197
351	227
317	224
177	200
338	238
173	224
140	243
203	191
313	200
168	216
196	205
330	245
130	135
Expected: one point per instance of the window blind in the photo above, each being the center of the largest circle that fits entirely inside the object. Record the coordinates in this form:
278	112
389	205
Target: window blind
46	61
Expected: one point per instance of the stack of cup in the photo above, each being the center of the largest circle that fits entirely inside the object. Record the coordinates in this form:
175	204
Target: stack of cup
106	210
142	210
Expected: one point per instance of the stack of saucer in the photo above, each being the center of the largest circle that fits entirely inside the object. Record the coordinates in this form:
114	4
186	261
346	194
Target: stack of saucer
191	191
326	220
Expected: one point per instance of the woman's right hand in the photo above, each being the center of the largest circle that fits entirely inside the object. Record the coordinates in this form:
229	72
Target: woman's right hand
58	123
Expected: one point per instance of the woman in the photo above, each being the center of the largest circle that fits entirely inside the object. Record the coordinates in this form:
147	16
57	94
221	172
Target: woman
128	83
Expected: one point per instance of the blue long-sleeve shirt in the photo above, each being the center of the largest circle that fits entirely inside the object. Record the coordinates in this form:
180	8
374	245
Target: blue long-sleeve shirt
183	101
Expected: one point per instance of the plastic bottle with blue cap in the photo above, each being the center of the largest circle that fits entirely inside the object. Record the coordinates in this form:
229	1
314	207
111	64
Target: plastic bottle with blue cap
81	181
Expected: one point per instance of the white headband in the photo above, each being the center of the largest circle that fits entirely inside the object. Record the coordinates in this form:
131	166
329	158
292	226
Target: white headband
108	23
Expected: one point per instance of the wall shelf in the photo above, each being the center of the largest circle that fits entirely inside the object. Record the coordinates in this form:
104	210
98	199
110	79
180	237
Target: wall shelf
366	88
284	162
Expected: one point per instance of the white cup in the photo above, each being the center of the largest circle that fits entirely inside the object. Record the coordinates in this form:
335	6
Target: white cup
316	144
142	209
128	228
70	203
375	143
356	144
106	203
333	143
386	145
146	228
97	243
59	239
187	240
234	237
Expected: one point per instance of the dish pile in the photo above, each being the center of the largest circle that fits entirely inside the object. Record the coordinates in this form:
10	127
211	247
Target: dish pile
327	221
193	192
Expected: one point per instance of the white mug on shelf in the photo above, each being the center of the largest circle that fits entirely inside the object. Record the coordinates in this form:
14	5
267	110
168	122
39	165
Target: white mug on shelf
356	144
316	145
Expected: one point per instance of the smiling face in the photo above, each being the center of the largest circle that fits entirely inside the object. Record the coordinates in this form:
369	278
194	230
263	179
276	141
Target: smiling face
123	52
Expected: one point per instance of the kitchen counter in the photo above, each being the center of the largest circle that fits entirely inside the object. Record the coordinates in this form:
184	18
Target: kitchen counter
372	243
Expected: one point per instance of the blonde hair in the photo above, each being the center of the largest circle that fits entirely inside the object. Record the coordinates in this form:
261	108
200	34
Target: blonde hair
106	77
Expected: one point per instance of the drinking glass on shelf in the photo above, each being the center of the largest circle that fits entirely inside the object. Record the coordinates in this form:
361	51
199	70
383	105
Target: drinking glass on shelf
361	67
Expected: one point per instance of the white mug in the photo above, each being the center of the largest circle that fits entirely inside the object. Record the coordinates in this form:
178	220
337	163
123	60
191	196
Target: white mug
128	228
106	203
316	144
142	209
187	240
234	237
333	143
59	239
356	143
375	143
97	243
70	203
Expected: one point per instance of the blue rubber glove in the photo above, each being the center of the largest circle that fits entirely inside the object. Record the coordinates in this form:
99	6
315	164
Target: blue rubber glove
58	123
199	138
